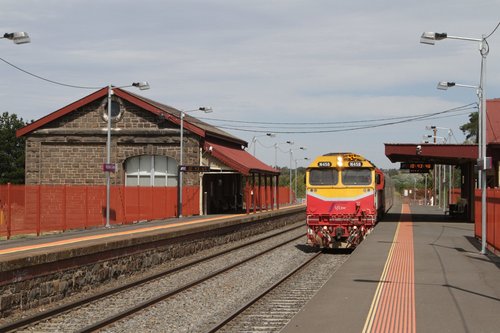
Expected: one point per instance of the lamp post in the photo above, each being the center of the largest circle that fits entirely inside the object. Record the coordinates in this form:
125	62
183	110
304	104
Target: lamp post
291	157
276	147
430	38
17	37
450	132
430	136
254	140
444	85
108	168
205	109
305	158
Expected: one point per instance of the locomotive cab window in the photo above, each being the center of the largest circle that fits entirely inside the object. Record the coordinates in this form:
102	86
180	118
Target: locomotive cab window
323	177
357	176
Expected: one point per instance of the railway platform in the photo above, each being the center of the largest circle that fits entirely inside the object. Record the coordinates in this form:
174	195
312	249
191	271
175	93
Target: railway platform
37	271
47	244
418	271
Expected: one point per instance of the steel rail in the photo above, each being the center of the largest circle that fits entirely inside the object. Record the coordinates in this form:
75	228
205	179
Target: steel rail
236	313
67	307
112	319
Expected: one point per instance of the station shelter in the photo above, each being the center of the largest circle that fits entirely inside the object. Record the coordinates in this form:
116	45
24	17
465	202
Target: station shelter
237	179
464	156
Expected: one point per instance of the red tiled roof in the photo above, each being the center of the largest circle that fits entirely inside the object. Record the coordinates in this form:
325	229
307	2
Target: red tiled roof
238	159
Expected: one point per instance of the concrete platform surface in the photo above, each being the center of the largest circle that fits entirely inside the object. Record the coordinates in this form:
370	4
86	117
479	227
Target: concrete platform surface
418	272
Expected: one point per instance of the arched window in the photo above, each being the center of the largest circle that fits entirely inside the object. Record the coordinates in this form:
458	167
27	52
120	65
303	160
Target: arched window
150	170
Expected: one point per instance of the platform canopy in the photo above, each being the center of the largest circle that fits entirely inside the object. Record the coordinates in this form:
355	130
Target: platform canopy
448	154
238	159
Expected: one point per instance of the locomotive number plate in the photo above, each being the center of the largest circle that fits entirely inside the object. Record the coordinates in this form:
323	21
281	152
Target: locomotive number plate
355	164
324	164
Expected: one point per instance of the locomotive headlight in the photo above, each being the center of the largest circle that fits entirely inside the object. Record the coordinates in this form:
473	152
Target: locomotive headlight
339	161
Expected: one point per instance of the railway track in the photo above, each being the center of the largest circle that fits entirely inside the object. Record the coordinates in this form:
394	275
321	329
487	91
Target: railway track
271	310
105	308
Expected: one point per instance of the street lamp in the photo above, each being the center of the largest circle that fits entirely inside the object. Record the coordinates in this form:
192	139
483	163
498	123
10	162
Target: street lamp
254	140
444	85
436	128
17	37
276	147
205	109
429	136
430	38
291	157
306	159
108	167
438	168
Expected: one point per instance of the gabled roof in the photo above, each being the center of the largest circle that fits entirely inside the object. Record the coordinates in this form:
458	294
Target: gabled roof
238	159
169	113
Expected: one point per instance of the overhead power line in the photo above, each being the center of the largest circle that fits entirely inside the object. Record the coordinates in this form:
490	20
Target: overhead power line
302	127
327	123
45	79
305	128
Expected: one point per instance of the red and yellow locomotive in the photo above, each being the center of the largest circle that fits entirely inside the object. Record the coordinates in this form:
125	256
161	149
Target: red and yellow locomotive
346	195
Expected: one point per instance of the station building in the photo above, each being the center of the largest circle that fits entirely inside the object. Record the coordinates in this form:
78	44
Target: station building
69	146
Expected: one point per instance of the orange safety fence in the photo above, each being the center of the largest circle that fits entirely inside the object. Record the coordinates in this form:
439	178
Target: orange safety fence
492	217
263	197
34	209
284	195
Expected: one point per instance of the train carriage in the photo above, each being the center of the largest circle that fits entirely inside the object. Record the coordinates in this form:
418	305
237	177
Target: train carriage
346	195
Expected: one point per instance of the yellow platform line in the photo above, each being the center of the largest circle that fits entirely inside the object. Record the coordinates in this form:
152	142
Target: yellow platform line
393	305
114	234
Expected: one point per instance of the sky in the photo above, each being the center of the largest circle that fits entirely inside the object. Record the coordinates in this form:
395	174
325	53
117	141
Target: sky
329	75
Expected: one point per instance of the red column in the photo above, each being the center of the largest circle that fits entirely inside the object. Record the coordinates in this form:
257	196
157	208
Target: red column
247	195
265	193
277	192
253	191
272	188
260	192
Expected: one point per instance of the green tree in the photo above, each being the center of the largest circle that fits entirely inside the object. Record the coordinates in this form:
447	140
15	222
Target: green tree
471	128
11	150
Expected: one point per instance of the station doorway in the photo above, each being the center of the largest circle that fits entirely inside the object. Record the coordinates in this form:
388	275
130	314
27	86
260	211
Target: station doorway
222	193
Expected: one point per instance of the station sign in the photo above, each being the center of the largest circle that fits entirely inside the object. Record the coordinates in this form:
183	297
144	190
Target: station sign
109	167
194	168
417	167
